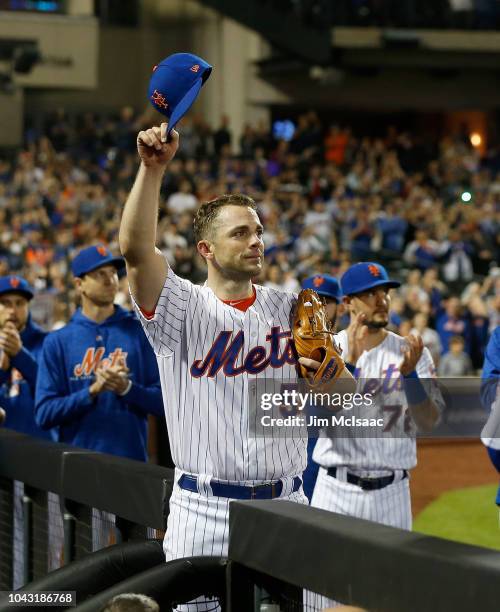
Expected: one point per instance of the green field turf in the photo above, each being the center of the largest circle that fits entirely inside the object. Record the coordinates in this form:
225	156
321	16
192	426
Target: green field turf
465	515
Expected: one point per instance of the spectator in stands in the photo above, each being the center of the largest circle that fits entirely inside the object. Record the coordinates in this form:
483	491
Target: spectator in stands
131	602
247	142
429	336
422	252
222	137
480	322
21	343
362	235
451	321
392	227
183	200
99	378
412	289
456	362
335	145
457	268
434	288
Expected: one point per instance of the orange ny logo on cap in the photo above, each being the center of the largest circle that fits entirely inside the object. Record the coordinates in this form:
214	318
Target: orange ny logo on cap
155	67
195	68
14	282
374	271
102	250
159	99
318	281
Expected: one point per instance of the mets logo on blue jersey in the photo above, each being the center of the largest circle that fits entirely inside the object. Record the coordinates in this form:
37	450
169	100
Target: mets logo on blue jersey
15	380
93	358
224	353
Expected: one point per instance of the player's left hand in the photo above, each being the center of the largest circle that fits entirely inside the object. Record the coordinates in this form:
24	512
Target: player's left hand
10	340
345	383
114	379
411	353
310	364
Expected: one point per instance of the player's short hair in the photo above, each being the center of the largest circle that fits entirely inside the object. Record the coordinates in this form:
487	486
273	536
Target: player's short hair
131	602
208	212
457	340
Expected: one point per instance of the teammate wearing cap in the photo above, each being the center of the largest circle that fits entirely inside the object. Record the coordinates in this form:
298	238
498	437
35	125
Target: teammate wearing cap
328	288
21	343
367	477
98	376
490	397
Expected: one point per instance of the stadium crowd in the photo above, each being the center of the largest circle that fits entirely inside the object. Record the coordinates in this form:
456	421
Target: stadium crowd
327	197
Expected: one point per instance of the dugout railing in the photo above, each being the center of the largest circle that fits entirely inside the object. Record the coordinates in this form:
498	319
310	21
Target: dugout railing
287	547
55	500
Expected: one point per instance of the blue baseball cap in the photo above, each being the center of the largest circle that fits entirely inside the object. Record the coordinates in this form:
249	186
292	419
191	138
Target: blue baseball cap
94	257
175	84
365	275
325	285
16	284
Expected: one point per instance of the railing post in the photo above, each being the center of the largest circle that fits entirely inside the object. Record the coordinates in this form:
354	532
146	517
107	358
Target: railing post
27	541
6	533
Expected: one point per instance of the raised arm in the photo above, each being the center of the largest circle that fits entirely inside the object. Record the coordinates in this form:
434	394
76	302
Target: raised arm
146	266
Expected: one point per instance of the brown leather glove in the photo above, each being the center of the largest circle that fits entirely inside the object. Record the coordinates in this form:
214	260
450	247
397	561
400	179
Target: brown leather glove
314	340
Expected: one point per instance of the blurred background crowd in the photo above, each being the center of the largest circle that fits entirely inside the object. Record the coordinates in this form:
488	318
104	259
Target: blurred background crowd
328	196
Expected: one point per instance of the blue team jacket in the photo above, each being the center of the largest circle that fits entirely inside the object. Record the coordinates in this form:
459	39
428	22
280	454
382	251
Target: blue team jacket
107	423
17	384
490	379
491	369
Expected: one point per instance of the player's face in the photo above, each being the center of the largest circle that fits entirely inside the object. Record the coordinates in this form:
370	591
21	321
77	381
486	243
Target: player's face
237	250
374	304
99	286
15	308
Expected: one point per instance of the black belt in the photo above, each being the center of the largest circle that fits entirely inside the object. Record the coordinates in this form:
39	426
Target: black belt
232	491
367	484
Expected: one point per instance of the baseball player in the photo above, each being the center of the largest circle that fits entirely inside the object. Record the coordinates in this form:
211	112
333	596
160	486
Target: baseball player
369	477
98	376
21	343
491	369
490	398
211	342
327	287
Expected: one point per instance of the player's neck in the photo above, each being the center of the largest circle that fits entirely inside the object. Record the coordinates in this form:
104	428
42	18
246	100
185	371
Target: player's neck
374	337
97	313
226	289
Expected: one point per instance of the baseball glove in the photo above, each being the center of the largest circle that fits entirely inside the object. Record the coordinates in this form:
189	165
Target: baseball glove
314	340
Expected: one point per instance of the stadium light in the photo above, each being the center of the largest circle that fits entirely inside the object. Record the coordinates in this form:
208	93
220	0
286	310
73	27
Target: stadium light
475	139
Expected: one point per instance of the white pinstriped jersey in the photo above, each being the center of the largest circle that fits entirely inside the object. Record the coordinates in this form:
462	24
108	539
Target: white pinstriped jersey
207	354
377	368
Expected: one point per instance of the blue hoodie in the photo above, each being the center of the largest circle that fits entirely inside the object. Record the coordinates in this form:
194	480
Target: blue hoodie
18	383
108	422
490	380
491	370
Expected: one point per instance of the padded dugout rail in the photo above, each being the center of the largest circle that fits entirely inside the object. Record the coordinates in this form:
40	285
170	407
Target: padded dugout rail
358	562
137	493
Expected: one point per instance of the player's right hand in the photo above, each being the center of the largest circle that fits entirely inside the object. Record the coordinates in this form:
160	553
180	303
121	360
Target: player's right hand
98	386
153	148
356	333
10	339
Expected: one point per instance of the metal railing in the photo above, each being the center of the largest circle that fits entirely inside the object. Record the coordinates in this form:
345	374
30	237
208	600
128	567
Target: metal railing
58	502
